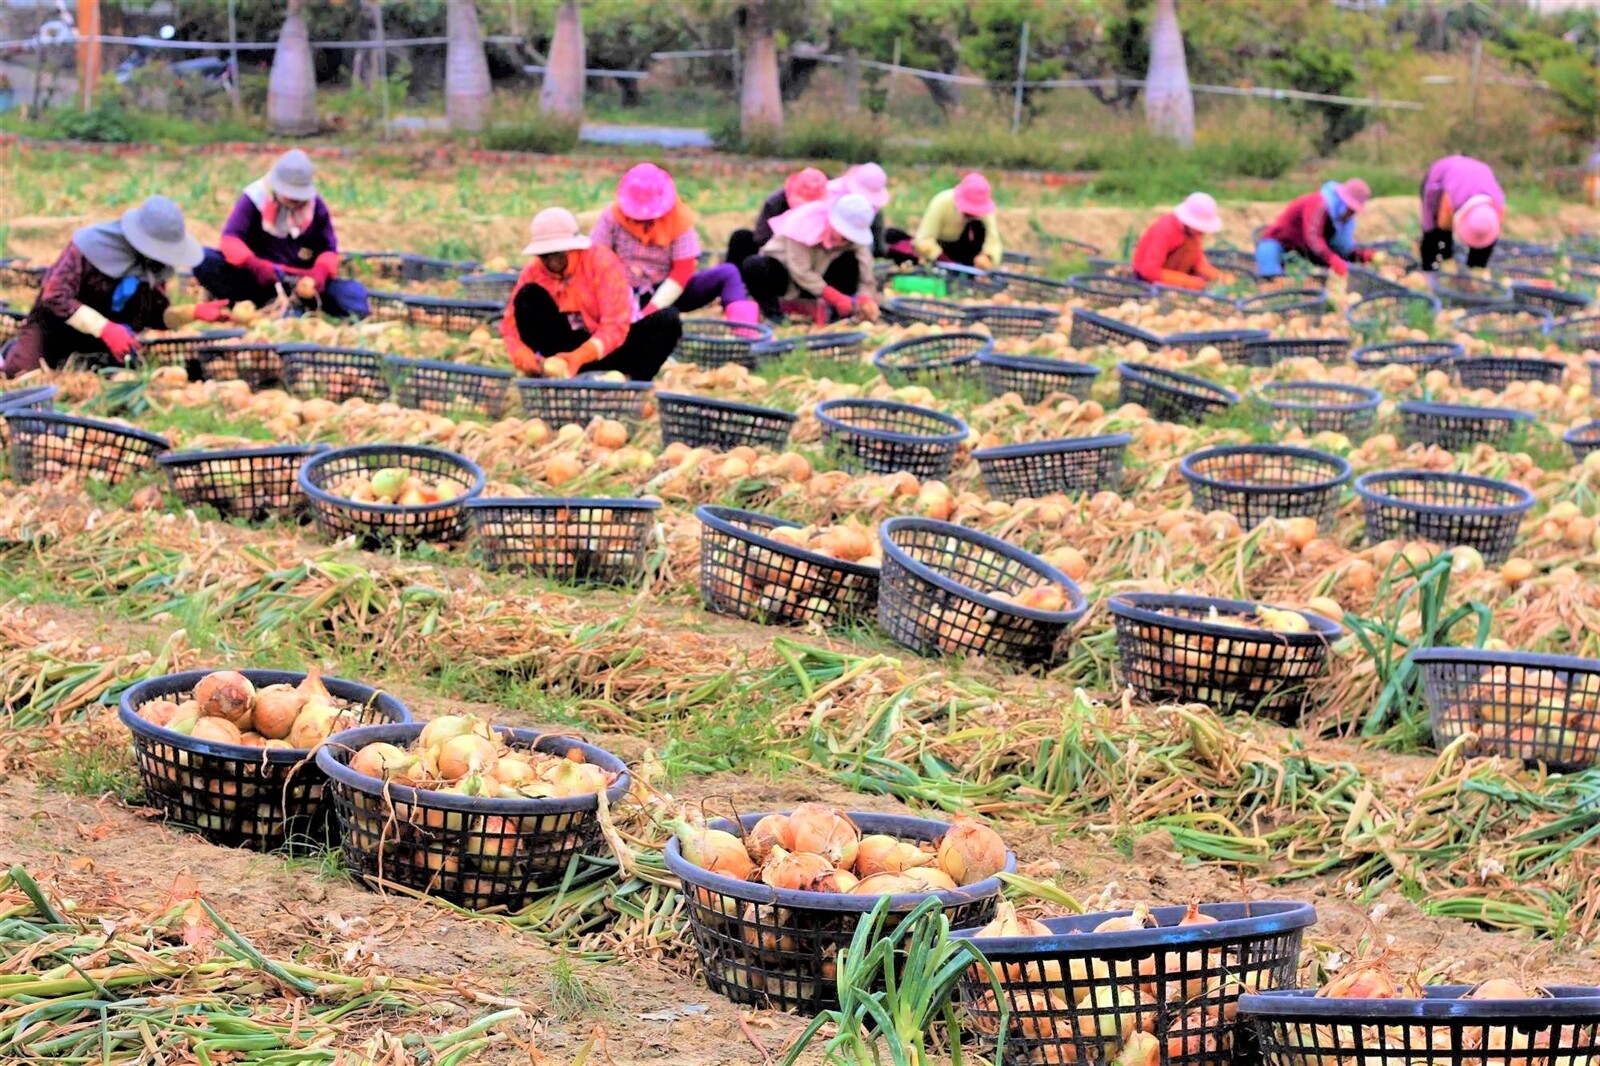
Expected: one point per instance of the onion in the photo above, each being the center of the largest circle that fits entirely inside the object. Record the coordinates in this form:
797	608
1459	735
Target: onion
971	851
443	728
933	880
1192	916
1127	923
514	770
1114	1012
835	881
466	754
1192	1038
226	694
772	831
821	830
494	841
276	708
880	853
380	760
797	870
1040	1015
714	850
313	725
888	885
311	686
216	730
158	712
1498	988
1364	980
1142	1049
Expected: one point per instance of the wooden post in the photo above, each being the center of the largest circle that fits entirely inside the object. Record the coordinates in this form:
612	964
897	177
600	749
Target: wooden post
894	74
852	81
1022	74
1472	90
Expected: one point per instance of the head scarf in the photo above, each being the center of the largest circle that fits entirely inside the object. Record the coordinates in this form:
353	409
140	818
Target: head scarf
808	224
275	218
659	232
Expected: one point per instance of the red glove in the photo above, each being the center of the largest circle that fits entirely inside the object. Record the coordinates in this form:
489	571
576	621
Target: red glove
120	340
211	311
842	305
1362	255
265	273
324	268
1339	266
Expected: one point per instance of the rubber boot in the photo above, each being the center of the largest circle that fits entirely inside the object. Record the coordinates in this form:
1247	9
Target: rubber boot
743	312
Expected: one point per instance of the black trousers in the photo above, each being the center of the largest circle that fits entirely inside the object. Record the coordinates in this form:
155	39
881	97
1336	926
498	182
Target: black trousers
546	329
768	279
1439	245
967	247
897	246
741	246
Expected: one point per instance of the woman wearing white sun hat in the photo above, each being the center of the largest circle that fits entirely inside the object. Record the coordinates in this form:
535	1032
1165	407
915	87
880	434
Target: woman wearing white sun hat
1172	251
818	251
870	181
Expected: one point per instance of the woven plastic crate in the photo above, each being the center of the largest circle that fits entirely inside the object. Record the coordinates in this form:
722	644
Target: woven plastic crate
426	268
1039	290
1033	377
825	348
935	357
1508	323
968	281
177	349
1583	439
1091	330
375	264
48	445
1232	343
30	398
1448	509
938	594
1255	482
560	401
911	310
779	947
573	540
1542	709
388	306
10	323
337	374
476	852
378	523
1558	302
234	794
702	422
1575	333
1467	290
20	274
1365	282
1387	310
451	316
1497	371
1010	320
251	483
883	437
496	287
1073	994
1197	649
748	574
1321	406
1271	350
1298	1027
1308	302
1105	290
455	389
1233	260
1073	465
712	342
1457	427
257	365
1420	355
1171	396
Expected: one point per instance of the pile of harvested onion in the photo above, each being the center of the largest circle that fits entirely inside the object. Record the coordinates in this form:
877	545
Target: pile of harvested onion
462	755
397	485
225	708
848	542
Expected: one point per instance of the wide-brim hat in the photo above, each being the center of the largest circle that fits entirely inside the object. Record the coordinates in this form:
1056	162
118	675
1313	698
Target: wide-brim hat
851	217
1199	212
157	231
974	197
646	193
554	230
293	177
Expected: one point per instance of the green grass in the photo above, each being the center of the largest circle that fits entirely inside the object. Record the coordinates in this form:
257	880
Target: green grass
92	771
572	995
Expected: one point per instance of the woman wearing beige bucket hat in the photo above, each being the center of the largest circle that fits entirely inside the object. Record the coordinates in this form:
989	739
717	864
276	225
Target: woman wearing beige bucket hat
820	253
106	286
573	311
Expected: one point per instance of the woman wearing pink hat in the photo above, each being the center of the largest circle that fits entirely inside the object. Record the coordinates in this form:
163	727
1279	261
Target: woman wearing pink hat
819	252
960	226
1171	251
869	181
1460	198
1319	226
652	232
801	187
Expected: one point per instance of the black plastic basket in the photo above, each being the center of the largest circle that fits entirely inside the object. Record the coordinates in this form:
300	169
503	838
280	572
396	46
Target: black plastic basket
562	401
451	316
1234	260
1542	709
1255	482
425	268
937	597
257	365
702	422
375	264
376	523
1019	258
712	342
10	323
29	398
1508	323
1308	302
47	445
1385	310
1271	350
388	306
1558	302
1033	377
455	389
1467	290
1583	439
1233	344
1090	330
1420	355
1448	509
495	287
1575	333
1365	282
1323	406
933	358
1495	372
1106	290
1010	320
961	280
1298	1027
1172	396
255	483
746	573
1072	465
19	274
828	348
337	374
237	795
915	310
1039	290
779	947
177	349
1073	995
1195	649
882	437
572	540
476	852
1457	427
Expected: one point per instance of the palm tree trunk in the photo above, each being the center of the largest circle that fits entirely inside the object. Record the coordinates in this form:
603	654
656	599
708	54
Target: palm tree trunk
466	68
562	95
761	97
292	85
1168	102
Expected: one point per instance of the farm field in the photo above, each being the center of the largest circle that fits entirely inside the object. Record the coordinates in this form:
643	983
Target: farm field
1453	861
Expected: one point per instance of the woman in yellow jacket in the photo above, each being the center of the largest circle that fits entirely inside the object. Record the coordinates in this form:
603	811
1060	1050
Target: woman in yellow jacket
960	226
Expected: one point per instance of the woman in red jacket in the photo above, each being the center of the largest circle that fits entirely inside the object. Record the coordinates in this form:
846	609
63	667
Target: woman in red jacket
1172	252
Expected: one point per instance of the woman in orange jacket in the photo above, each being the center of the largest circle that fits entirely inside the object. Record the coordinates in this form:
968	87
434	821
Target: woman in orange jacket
1171	251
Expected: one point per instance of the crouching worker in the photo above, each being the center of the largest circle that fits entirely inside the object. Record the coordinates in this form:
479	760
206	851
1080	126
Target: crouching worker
280	236
108	285
573	311
818	251
1172	252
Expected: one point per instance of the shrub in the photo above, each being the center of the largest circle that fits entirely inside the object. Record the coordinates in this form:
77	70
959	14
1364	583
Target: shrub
543	135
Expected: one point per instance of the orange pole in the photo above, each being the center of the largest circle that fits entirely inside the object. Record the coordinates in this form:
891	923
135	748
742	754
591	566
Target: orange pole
88	48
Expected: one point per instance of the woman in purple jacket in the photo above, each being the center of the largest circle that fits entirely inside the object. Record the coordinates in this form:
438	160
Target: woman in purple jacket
1460	198
280	236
